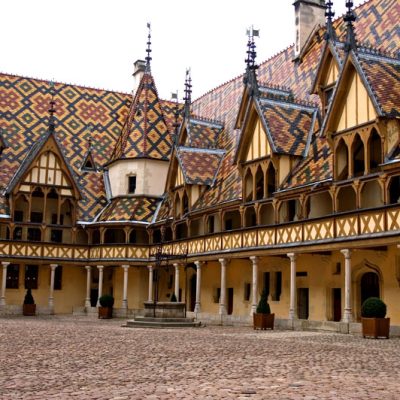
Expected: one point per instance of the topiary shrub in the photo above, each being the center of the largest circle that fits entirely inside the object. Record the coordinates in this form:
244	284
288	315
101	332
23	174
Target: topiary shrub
263	306
373	307
106	300
173	298
29	298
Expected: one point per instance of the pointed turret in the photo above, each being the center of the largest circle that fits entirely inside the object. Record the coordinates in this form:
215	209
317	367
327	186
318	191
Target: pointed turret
329	14
349	18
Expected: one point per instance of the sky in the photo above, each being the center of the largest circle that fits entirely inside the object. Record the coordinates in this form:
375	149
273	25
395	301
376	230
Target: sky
95	42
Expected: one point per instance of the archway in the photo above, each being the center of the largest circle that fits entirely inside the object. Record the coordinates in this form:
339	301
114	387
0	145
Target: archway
369	286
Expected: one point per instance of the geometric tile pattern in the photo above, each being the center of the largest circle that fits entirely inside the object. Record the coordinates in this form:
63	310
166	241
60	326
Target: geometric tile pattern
202	134
130	209
288	125
199	167
145	132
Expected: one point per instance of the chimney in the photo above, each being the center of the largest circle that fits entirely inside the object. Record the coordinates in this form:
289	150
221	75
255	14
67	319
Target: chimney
139	67
309	14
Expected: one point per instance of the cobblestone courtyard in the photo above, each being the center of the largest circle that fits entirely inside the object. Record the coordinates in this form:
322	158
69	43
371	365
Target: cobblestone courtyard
79	358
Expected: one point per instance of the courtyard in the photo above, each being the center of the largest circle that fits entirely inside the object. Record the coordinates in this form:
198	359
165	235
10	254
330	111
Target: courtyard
68	357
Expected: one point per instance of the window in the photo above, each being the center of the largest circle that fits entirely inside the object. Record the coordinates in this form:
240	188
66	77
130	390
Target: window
18	216
301	274
34	234
229	224
56	235
328	92
132	184
31	276
266	282
58	277
277	286
54	219
12	280
36	217
17	235
210	223
338	269
247	291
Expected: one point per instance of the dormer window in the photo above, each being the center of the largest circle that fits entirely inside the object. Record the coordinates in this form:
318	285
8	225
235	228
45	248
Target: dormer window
132	184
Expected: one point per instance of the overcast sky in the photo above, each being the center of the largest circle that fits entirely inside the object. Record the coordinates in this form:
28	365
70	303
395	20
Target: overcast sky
95	42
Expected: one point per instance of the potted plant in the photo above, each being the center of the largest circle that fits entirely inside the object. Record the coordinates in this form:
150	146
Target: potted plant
262	318
29	306
106	306
173	298
374	323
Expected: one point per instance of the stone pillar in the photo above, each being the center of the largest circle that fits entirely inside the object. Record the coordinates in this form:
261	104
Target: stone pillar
176	281
222	298
51	294
254	289
293	308
100	268
88	283
125	288
197	307
150	297
348	314
3	283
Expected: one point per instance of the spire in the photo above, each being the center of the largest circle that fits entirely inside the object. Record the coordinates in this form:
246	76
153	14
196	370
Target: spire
329	14
148	50
52	122
188	93
349	18
174	96
250	77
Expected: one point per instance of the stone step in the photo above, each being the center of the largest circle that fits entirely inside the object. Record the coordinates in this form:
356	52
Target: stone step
161	319
158	324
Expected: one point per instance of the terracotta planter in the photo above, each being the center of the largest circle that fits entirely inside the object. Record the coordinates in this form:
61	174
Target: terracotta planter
263	321
375	327
105	312
29	309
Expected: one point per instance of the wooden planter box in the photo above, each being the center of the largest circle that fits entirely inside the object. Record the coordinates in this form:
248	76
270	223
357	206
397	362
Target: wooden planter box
263	321
105	312
375	327
29	309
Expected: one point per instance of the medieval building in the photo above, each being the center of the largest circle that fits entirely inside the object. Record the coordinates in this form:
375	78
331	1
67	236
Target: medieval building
285	179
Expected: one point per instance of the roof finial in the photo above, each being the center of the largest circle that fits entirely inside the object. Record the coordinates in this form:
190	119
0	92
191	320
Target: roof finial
52	122
349	18
188	92
174	97
250	77
148	50
329	14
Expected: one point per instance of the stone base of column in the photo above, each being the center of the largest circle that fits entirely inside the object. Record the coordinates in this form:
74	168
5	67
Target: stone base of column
125	304
253	309
2	301
292	315
347	316
222	309
87	303
197	308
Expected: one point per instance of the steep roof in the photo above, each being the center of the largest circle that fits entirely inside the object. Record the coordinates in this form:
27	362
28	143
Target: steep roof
145	133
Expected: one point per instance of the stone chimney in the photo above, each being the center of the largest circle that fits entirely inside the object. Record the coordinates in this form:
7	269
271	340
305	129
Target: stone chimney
308	14
139	67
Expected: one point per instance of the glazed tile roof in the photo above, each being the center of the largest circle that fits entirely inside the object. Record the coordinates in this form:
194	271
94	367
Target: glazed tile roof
145	133
383	76
199	166
134	209
289	125
202	134
24	104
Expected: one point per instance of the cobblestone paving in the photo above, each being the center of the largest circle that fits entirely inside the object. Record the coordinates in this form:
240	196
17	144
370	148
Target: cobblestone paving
80	358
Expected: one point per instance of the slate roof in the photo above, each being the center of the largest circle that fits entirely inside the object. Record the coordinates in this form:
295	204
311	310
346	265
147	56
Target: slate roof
199	166
202	133
132	209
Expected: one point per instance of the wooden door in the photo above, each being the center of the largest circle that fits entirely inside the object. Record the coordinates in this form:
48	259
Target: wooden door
302	303
337	304
230	301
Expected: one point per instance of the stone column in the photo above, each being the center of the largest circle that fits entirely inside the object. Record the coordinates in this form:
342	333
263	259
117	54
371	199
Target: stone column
88	284
254	289
176	281
293	308
150	297
197	307
348	314
125	288
51	294
3	283
100	268
222	298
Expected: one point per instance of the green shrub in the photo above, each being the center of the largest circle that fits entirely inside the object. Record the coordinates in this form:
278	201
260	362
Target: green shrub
173	298
106	300
373	308
263	306
29	298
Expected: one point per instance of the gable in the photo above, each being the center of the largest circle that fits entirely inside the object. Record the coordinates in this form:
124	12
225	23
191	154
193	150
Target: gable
331	74
259	146
179	178
355	106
